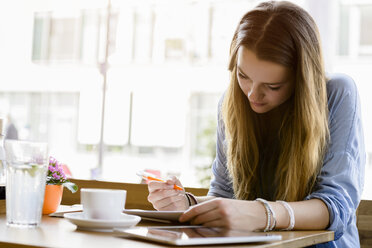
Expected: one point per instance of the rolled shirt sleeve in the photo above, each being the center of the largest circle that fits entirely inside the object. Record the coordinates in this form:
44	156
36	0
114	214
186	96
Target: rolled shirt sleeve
340	182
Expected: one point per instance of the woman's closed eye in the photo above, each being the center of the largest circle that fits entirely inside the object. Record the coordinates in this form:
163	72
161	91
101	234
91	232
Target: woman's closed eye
242	76
274	87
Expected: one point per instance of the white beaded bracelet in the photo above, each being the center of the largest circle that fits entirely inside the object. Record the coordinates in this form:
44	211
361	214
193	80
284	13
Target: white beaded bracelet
291	215
274	218
269	213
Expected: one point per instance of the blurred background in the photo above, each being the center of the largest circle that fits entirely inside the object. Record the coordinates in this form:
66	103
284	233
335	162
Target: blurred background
120	86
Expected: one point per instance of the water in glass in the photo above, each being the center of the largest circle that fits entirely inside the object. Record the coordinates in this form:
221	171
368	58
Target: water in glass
25	188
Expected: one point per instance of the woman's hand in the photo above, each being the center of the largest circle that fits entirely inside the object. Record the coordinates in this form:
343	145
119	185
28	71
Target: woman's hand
164	197
227	213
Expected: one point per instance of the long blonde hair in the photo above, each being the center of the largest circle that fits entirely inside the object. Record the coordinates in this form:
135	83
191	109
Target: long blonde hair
283	33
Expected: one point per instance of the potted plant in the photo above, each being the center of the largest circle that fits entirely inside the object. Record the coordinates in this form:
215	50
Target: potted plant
55	181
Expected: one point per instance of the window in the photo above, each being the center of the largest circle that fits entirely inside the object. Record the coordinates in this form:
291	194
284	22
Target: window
365	26
167	69
354	25
71	37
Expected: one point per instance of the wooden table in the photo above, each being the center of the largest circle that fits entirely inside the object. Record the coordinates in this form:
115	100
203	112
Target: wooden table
59	232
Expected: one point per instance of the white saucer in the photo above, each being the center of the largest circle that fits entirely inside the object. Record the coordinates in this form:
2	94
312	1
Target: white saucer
101	225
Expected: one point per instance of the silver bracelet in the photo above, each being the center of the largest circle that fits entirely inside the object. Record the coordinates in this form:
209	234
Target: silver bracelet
191	198
269	213
291	215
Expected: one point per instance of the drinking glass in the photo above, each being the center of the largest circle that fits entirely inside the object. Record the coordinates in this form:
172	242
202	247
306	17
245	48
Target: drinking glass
27	164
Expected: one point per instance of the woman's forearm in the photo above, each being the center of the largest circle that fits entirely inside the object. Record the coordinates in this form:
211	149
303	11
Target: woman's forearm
310	214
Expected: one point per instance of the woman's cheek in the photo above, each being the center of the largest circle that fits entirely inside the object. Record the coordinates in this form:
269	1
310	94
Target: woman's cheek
244	88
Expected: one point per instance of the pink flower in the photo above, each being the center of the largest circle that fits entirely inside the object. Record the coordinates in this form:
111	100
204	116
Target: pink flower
52	160
56	176
63	176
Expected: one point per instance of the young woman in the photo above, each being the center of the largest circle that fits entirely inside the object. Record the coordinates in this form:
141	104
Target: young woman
290	149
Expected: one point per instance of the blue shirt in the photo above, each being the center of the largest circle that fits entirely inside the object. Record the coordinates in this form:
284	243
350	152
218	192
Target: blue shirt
340	181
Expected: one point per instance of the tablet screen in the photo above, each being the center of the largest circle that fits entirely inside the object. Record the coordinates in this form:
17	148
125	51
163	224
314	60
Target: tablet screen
194	235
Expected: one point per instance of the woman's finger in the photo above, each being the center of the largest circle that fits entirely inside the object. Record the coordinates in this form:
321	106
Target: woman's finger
206	217
171	180
176	204
174	180
161	194
196	210
162	203
155	185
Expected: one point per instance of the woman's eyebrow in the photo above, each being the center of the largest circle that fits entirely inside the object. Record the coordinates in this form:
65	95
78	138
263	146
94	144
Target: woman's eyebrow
276	83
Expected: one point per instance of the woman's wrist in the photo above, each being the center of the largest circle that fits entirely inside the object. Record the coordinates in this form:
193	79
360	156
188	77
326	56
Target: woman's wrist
274	212
261	212
270	215
282	215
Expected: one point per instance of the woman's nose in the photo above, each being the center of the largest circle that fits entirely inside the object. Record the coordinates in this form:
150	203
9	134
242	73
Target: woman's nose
255	94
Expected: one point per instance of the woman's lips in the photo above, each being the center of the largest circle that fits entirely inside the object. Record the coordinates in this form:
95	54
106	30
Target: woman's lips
257	104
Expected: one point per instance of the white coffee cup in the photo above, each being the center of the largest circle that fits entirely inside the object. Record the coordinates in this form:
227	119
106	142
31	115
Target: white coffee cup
106	204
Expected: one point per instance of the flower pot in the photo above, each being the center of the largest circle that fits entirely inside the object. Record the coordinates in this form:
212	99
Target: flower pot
52	198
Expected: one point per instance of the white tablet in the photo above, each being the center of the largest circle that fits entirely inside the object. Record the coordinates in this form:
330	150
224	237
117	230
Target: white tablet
195	235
